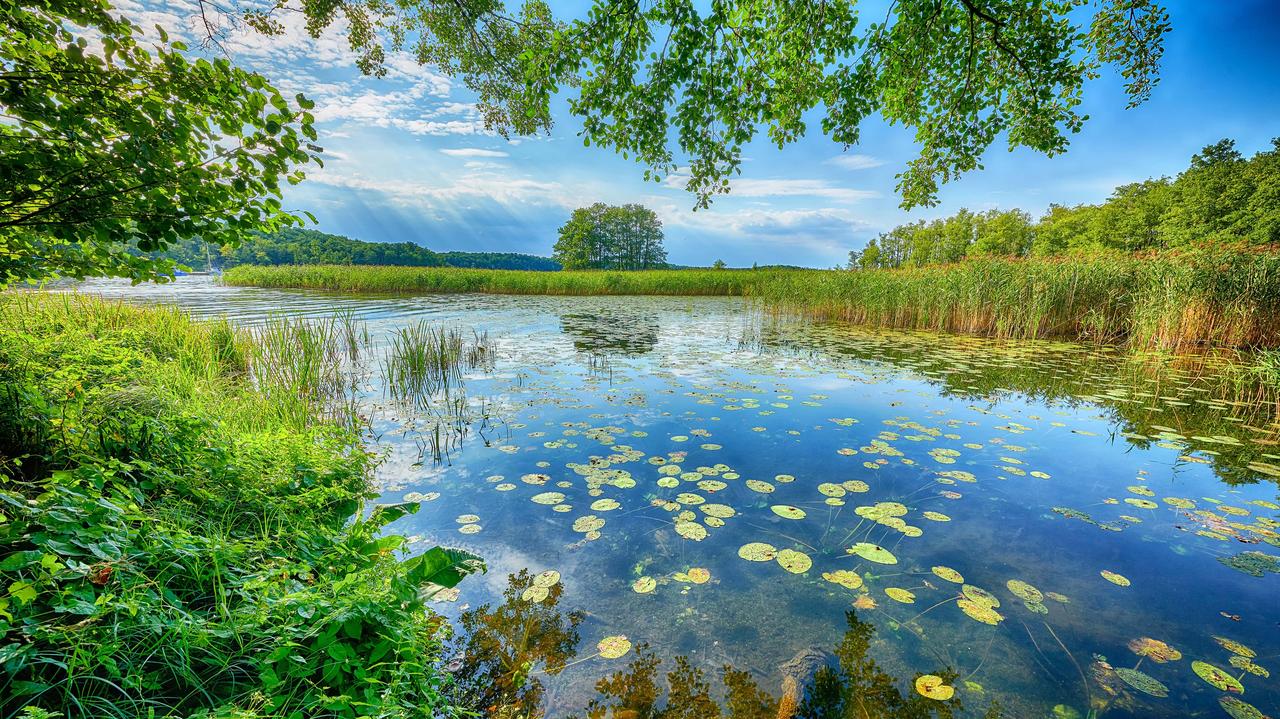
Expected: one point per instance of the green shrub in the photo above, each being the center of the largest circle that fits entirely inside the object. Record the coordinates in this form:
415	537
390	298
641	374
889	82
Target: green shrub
169	547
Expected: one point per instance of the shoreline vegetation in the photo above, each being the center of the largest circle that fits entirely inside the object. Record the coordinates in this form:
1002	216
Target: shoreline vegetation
1172	300
183	512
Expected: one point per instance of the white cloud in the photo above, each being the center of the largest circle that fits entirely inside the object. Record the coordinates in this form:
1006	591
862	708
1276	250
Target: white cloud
855	161
472	152
473	186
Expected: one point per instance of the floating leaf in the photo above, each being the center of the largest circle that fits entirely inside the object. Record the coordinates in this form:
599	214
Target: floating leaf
1247	664
1024	591
547	498
1143	682
948	574
467	519
980	612
547	579
899	594
644	585
1154	649
535	594
794	561
691	530
756	485
1217	678
844	577
719	511
1238	709
605	505
978	595
936	516
758	552
469	528
588	523
614	647
1117	579
873	553
933	687
1235	647
788	511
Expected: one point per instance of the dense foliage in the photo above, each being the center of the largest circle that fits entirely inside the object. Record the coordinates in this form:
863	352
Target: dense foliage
683	86
499	261
607	237
1221	199
293	246
175	542
112	141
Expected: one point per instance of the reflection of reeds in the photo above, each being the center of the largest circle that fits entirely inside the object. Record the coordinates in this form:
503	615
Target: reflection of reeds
424	360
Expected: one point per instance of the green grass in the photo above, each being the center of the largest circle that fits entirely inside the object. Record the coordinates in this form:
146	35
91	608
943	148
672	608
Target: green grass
181	525
1168	300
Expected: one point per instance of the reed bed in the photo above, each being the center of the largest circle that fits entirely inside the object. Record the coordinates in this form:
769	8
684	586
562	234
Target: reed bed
424	359
1170	300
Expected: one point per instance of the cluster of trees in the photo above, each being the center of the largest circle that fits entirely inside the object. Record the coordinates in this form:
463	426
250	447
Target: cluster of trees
1222	198
294	246
607	237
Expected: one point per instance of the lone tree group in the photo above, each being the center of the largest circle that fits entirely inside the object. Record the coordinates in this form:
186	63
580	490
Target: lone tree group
605	237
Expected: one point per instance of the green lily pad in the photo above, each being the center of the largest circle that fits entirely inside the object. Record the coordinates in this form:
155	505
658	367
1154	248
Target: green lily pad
873	553
758	552
1217	678
787	511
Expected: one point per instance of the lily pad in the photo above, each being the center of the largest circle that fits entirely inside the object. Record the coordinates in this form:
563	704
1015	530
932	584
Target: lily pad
644	585
1154	649
758	552
1117	579
691	530
614	647
948	574
1024	591
873	553
787	511
698	575
980	612
1143	682
535	594
547	579
794	561
756	485
547	498
932	686
1238	709
899	594
1217	678
1235	647
588	523
844	577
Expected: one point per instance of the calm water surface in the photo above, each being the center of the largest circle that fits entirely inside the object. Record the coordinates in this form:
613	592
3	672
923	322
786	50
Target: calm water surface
1031	520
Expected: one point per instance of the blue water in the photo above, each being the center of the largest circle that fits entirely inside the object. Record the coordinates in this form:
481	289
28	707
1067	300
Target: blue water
759	396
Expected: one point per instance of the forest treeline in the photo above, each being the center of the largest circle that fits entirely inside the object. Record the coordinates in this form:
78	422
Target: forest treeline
295	246
1222	198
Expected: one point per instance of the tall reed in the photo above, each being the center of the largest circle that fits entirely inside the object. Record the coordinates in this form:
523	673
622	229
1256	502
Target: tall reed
1228	298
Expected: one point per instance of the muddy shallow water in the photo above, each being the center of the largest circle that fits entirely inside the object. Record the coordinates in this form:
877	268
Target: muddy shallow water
1050	527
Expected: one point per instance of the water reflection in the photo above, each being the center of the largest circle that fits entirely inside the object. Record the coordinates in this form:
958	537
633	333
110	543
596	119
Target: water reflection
506	651
611	333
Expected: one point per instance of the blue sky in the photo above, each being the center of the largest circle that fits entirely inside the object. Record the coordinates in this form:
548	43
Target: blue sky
407	158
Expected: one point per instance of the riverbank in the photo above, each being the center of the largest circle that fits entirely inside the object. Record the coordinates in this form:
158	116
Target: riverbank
178	527
1167	300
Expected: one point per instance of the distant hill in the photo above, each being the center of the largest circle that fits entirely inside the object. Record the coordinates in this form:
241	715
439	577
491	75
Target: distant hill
293	246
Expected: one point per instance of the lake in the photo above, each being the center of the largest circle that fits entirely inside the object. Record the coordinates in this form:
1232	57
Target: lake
695	498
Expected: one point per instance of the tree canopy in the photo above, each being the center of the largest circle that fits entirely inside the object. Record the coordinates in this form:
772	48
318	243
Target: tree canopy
606	237
683	86
110	141
1222	198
